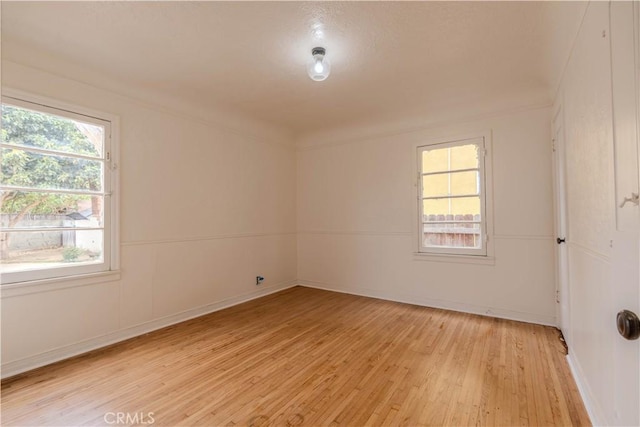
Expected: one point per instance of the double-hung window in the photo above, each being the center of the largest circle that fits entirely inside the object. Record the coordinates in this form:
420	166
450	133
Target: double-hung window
452	197
57	212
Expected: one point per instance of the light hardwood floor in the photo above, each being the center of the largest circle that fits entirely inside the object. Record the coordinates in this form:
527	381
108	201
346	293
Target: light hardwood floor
315	358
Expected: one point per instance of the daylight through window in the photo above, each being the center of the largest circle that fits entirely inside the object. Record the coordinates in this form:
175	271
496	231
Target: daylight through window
452	197
56	217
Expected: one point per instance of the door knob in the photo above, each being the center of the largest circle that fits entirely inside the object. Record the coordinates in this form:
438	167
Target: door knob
559	240
628	324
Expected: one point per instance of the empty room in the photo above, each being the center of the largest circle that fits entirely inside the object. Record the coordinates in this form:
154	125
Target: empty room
320	213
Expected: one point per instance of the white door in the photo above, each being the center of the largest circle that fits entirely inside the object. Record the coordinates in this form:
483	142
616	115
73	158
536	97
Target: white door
625	262
562	279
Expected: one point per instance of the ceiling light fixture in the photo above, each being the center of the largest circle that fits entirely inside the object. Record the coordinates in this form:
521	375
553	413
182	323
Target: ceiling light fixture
318	67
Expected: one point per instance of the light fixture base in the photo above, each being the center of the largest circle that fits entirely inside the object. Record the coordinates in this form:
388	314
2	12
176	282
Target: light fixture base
318	51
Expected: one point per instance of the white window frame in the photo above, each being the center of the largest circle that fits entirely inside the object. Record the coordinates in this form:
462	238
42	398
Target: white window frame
111	244
483	139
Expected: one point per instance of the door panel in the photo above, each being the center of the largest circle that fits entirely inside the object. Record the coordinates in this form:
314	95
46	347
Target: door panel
625	271
562	278
599	97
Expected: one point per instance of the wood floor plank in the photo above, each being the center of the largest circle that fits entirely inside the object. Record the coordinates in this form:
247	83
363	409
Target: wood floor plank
315	358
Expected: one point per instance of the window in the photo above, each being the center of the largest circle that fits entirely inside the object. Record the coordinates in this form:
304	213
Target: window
57	212
452	197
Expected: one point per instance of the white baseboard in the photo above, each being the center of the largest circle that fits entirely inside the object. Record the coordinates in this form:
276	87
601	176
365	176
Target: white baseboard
593	410
436	303
22	365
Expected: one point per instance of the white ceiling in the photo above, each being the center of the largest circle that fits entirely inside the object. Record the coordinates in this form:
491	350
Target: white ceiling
388	58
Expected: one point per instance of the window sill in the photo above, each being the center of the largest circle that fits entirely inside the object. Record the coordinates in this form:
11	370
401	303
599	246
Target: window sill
458	259
46	285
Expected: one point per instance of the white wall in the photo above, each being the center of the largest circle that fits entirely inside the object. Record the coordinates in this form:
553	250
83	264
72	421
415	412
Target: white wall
356	220
204	209
604	364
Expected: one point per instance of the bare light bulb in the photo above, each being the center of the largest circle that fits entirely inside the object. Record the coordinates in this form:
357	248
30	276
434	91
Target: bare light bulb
318	67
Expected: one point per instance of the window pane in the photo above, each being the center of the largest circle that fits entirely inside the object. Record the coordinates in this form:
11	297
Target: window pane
50	159
35	170
463	183
29	128
451	197
464	157
33	250
436	160
436	207
450	158
465	206
435	185
450	184
451	207
452	235
36	210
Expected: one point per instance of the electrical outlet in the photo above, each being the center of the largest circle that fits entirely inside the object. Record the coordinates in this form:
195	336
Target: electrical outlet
259	280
